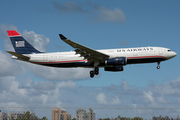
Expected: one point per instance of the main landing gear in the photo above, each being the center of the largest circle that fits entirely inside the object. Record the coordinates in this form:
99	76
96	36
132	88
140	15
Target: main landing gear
96	69
158	67
94	72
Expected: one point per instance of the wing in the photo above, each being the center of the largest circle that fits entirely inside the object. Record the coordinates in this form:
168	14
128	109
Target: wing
88	53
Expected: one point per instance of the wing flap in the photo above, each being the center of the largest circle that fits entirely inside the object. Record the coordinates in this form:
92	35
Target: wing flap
19	56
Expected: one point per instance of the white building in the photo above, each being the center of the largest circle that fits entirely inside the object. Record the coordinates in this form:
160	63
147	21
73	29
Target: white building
3	116
12	116
82	115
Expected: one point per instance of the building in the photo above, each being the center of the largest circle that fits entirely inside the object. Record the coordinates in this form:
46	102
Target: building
3	116
91	114
82	115
80	111
58	114
12	116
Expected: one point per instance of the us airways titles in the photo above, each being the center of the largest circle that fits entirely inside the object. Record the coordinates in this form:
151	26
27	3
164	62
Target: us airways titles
135	49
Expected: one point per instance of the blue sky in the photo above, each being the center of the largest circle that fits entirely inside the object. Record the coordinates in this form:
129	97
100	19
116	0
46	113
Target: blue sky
98	25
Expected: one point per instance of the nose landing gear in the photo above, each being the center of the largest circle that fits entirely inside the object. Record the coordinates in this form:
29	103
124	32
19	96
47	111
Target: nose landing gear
158	67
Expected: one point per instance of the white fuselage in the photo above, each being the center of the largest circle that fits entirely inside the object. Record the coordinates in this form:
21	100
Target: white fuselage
133	55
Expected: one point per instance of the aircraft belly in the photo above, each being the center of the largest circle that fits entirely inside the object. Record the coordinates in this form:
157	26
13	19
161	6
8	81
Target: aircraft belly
72	64
144	60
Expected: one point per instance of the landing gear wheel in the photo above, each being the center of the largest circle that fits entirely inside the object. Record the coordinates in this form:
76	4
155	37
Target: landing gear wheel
96	69
158	67
91	74
96	72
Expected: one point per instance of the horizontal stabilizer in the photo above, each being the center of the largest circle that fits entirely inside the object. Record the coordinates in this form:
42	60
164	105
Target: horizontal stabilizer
19	56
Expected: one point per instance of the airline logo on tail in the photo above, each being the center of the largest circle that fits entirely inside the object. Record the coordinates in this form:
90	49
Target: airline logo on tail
20	44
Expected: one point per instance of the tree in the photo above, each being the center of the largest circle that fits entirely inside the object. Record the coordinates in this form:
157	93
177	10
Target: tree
34	118
44	118
74	119
137	118
27	115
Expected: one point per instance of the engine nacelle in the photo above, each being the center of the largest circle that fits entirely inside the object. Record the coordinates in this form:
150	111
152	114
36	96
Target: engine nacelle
114	69
117	61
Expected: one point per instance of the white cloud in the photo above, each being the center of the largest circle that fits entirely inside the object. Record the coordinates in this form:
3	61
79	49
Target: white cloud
124	85
44	85
116	101
102	99
4	28
178	100
40	42
8	66
149	96
107	15
67	93
68	84
58	74
94	12
134	105
68	7
11	91
168	88
4	35
44	98
161	100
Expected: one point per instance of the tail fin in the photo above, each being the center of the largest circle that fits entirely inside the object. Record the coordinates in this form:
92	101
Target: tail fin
20	45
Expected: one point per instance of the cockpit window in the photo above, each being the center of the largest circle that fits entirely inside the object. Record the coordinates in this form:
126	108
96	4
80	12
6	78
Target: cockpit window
169	50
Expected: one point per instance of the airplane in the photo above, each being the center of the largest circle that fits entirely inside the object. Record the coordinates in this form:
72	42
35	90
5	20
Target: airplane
112	60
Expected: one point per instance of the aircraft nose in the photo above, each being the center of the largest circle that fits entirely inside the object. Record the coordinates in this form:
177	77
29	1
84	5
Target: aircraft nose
174	54
171	54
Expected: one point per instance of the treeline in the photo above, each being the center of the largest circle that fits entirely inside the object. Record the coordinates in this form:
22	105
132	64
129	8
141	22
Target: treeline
28	116
122	118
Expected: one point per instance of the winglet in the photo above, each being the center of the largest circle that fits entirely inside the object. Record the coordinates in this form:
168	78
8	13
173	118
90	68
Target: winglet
62	37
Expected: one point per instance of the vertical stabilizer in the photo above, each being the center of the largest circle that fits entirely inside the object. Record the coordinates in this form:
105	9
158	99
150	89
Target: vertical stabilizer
20	45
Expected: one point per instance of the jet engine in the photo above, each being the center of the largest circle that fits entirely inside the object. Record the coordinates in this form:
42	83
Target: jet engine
114	69
117	61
